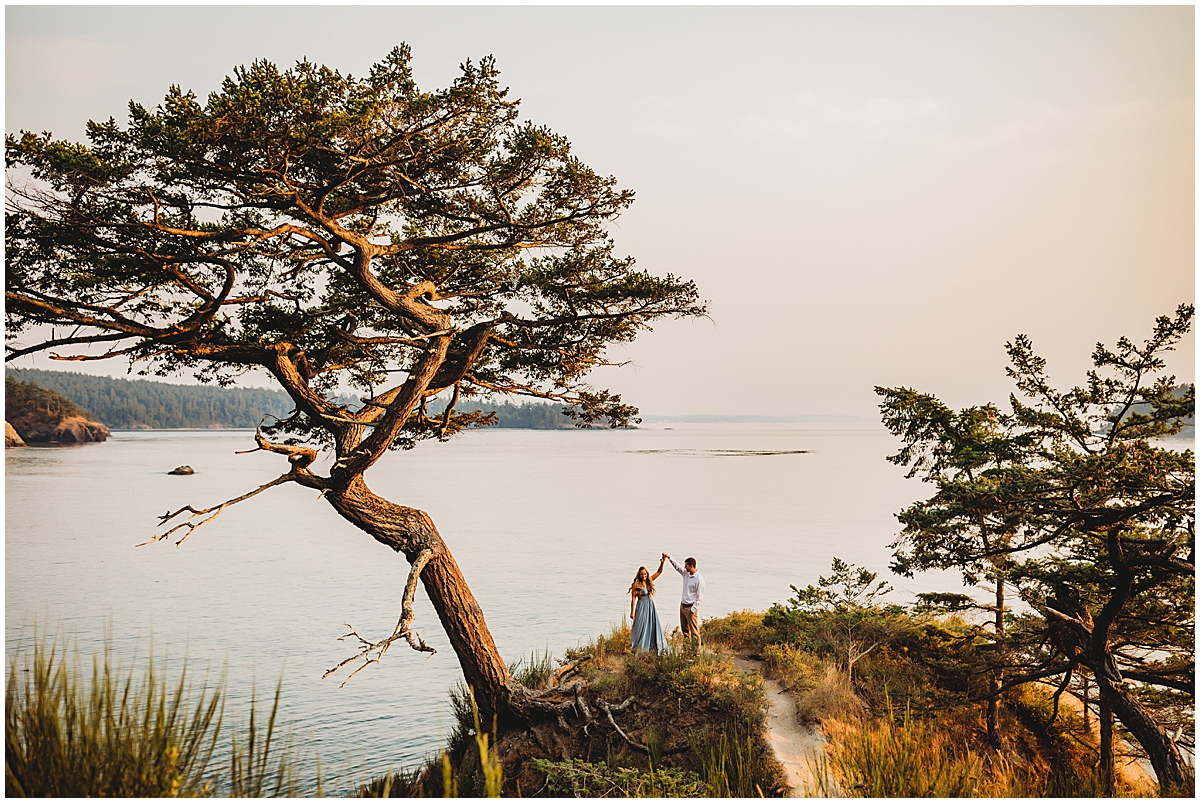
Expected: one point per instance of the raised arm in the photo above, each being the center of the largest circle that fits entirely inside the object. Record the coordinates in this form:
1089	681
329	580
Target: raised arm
676	566
656	575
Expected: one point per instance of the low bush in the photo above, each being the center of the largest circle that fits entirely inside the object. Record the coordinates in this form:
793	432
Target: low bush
706	679
743	632
577	778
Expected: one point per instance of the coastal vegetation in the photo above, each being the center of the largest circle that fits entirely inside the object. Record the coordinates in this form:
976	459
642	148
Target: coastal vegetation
910	722
143	404
679	724
1075	499
106	730
41	416
685	723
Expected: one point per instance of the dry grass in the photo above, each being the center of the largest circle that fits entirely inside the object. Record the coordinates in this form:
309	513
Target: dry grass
907	757
938	747
910	758
822	691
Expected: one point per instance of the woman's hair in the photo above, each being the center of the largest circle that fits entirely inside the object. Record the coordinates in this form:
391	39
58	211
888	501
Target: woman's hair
649	584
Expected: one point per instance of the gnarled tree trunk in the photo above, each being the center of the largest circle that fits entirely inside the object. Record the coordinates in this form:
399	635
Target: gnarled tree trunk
1108	762
1174	779
997	679
412	531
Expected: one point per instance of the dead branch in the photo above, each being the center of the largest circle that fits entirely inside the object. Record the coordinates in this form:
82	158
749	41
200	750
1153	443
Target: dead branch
403	626
565	670
582	705
608	710
210	512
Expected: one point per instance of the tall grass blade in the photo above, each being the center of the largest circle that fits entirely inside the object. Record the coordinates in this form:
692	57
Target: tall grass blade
127	732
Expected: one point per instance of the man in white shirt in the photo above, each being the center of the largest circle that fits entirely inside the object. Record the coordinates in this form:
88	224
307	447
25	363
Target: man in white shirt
693	595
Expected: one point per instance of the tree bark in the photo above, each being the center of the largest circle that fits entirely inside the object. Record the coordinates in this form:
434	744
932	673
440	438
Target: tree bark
1087	707
1108	763
410	531
993	704
1173	775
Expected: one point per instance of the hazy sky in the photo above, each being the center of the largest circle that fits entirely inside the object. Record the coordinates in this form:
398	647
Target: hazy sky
866	195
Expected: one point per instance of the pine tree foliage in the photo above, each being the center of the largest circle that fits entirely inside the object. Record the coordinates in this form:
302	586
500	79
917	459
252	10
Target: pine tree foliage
1077	498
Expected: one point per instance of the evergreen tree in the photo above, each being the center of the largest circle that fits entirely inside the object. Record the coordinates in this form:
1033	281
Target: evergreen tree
1073	497
340	232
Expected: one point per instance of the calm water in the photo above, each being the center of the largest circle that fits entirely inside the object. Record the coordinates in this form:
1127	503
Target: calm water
548	527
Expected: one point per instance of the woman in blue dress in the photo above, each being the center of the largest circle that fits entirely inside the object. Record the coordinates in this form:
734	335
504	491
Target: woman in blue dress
646	632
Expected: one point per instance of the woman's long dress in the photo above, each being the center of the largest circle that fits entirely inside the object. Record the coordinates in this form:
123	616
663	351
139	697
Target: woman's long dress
646	632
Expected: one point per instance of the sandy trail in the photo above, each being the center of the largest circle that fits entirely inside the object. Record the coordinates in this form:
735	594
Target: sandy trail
795	745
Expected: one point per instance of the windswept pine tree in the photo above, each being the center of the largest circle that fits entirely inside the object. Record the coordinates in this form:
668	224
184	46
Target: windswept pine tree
1075	498
339	232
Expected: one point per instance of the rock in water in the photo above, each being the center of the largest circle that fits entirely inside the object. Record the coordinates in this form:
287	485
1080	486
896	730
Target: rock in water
182	471
11	438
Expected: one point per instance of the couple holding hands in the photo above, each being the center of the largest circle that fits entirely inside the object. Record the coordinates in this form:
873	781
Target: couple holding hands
646	632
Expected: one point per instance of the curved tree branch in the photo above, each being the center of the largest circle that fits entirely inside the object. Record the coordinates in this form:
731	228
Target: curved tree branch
403	627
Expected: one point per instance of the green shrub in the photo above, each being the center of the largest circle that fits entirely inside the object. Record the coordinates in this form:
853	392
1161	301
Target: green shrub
578	778
742	632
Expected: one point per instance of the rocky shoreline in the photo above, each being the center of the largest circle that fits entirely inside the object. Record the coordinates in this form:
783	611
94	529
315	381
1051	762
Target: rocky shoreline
37	416
66	431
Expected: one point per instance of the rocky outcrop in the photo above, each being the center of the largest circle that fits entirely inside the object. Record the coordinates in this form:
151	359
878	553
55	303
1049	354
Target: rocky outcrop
41	416
77	429
182	471
11	438
69	429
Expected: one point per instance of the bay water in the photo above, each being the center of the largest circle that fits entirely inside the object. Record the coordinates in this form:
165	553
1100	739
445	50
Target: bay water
548	527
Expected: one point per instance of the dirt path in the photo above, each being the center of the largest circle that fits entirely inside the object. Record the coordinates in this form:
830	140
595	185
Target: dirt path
795	745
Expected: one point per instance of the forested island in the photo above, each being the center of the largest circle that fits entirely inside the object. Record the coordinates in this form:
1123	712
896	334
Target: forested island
145	404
